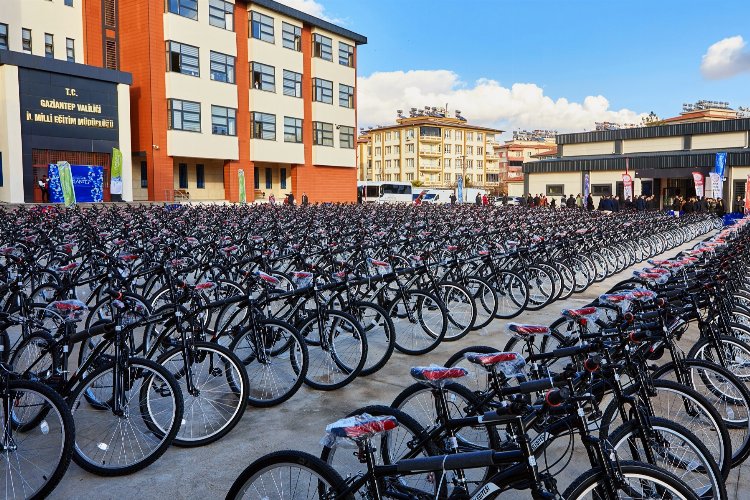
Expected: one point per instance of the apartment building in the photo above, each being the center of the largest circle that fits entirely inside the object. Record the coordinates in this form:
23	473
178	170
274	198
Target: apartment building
432	148
60	100
522	148
663	160
226	85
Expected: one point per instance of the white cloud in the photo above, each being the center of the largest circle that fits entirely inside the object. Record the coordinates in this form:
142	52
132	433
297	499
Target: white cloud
486	102
310	7
726	58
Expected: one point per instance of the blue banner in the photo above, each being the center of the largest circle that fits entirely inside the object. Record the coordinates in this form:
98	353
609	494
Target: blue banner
460	188
88	184
586	186
720	164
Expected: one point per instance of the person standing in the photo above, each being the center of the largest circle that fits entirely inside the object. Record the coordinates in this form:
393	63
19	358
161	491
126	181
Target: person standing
44	188
485	200
306	200
529	200
290	197
571	202
478	199
579	201
537	201
589	202
522	201
452	197
553	203
505	199
720	210
271	199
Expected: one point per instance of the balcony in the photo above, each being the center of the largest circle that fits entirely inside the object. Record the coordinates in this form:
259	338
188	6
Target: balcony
430	138
430	153
492	157
515	176
489	167
430	168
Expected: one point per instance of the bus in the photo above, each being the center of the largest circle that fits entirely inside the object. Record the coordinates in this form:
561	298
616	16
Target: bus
385	191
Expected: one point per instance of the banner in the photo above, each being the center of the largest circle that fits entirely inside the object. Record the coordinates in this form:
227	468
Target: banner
716	185
586	186
66	183
460	188
87	183
115	177
747	194
698	179
627	187
720	163
243	193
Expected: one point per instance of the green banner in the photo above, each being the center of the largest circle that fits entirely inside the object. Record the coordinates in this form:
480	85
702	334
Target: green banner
66	182
243	193
115	182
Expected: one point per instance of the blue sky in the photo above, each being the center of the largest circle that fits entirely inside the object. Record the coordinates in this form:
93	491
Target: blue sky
639	55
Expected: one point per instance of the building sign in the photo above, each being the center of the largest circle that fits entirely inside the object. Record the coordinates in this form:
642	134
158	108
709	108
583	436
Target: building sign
747	193
241	182
586	185
627	187
460	188
115	182
56	105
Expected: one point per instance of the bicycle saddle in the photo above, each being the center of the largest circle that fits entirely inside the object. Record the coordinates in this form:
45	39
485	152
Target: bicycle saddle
528	329
436	375
361	427
579	314
508	363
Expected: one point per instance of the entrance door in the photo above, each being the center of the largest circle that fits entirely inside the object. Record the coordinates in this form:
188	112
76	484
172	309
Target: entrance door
41	158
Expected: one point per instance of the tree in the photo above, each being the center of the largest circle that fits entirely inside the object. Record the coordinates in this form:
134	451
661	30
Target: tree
651	120
417	183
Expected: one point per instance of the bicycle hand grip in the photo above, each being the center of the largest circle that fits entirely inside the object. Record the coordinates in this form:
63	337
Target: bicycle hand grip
556	397
647	315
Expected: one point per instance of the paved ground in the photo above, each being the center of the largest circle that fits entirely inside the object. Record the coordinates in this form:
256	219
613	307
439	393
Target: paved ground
208	472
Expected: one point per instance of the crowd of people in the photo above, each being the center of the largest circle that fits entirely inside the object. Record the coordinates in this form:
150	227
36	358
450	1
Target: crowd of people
640	203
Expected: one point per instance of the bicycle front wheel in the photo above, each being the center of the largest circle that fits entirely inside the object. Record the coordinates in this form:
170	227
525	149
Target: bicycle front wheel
639	481
117	441
287	475
35	459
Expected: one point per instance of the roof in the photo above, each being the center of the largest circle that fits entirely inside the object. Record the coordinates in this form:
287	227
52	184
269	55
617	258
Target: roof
545	153
437	122
653	161
312	20
703	114
671	130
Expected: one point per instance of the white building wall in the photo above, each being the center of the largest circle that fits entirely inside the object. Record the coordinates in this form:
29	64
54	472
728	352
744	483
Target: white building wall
10	136
589	148
44	16
201	89
715	141
651	145
538	182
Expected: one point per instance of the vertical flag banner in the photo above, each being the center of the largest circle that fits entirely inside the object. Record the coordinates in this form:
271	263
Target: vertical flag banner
747	193
66	182
241	178
586	185
627	186
115	177
715	185
698	179
720	163
460	188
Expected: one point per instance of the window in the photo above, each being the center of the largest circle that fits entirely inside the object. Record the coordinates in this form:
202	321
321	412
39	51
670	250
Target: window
555	189
49	45
469	149
388	150
346	137
323	134
70	49
410	148
459	148
387	165
322	90
346	54
221	14
322	47
397	164
184	115
282	178
291	36
183	175
469	163
256	178
269	178
410	134
3	36
459	135
409	177
479	177
292	83
261	27
144	174
292	129
263	76
410	163
480	150
69	3
182	58
26	40
264	126
387	136
223	120
469	136
601	189
184	8
346	96
200	176
110	14
480	163
447	163
397	150
377	151
479	136
377	138
447	133
447	148
110	54
222	67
